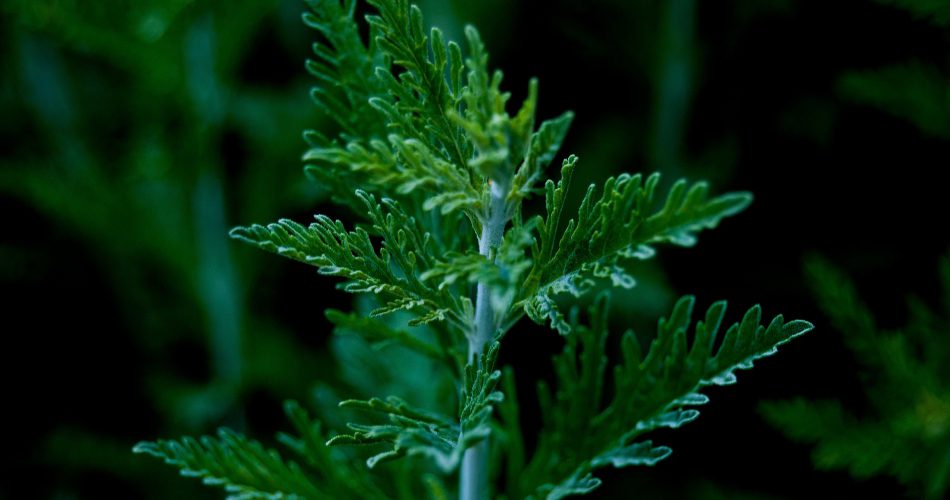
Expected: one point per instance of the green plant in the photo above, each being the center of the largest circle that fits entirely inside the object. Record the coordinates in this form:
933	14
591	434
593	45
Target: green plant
905	429
448	261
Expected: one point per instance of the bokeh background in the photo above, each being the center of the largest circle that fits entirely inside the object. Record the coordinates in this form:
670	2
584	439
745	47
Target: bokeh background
135	133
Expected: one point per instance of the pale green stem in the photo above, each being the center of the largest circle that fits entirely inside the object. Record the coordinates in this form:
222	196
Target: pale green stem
473	479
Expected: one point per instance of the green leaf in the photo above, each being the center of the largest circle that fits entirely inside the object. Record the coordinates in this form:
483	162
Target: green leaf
247	470
935	11
345	69
391	273
622	222
511	438
244	468
379	332
309	444
409	431
636	454
422	96
571	486
840	301
543	147
912	91
649	392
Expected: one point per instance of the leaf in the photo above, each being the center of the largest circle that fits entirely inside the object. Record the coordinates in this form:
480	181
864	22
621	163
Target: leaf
543	147
411	431
571	486
648	392
636	454
511	438
247	470
935	11
242	467
377	331
912	91
392	272
310	445
345	68
421	95
621	222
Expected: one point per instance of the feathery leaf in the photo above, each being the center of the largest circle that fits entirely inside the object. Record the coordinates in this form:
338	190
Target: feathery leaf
582	432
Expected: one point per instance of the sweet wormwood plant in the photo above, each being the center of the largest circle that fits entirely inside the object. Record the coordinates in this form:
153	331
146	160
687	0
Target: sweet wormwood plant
430	156
904	431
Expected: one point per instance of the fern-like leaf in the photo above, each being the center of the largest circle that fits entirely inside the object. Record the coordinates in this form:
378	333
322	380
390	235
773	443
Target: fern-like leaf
244	468
582	432
411	431
912	91
621	222
249	471
391	273
379	333
342	57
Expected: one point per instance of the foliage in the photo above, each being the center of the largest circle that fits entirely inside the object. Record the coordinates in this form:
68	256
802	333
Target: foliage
901	432
123	111
417	432
585	429
935	11
437	170
911	90
247	470
905	430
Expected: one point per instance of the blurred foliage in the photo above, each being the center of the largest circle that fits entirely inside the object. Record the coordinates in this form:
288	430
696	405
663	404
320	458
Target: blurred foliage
130	108
936	11
905	429
915	91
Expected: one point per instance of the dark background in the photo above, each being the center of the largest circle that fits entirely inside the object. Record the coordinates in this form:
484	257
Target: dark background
134	134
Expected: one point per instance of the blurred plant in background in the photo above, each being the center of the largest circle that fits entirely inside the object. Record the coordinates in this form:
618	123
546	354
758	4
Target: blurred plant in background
905	429
912	90
144	132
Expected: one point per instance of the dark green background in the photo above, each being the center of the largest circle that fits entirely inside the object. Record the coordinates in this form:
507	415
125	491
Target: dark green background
133	134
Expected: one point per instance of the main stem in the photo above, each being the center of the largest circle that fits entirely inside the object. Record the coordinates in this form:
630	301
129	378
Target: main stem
473	480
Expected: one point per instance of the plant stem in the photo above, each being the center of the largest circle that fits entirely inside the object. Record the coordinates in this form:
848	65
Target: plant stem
673	83
473	479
